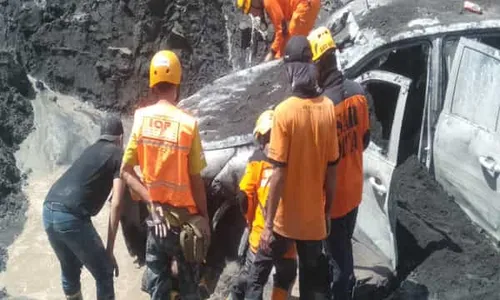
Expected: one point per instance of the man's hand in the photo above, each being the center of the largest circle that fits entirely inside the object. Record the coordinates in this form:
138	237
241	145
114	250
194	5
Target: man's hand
266	238
159	224
111	256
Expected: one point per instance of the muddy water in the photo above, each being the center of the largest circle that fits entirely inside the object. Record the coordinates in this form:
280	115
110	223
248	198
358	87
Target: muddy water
63	129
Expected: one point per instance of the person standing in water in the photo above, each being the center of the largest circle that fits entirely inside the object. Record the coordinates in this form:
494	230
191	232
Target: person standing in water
75	197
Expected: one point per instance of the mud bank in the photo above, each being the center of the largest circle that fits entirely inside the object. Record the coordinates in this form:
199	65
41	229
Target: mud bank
110	44
16	121
442	255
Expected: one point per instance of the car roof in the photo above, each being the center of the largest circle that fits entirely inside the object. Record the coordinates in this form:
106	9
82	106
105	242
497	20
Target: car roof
395	21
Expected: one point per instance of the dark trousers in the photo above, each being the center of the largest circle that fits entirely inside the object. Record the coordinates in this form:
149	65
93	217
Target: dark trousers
286	271
313	268
159	278
76	243
239	285
340	247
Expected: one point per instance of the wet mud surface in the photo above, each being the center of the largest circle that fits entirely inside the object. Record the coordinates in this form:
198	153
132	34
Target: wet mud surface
446	11
229	106
442	254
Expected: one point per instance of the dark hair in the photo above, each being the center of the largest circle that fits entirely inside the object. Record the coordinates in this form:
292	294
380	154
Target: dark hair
164	87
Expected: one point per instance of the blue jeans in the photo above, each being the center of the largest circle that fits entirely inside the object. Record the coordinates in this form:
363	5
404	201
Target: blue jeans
76	244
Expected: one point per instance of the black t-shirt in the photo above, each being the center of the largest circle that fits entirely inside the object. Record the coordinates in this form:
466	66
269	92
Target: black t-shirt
85	186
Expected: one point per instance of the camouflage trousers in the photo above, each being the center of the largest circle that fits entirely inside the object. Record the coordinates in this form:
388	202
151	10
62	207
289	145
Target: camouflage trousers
159	281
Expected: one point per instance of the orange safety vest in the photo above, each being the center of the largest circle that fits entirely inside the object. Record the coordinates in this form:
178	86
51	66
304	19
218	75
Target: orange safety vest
164	135
255	184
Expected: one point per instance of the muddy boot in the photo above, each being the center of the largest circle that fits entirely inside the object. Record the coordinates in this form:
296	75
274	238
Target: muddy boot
77	296
279	294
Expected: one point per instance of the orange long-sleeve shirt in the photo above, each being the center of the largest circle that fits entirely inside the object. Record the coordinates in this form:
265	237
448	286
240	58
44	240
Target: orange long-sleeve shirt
298	16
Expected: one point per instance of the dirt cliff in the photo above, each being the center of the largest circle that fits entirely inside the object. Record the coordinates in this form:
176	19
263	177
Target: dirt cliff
16	117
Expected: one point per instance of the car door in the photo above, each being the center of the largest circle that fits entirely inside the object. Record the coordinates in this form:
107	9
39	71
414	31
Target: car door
467	140
376	215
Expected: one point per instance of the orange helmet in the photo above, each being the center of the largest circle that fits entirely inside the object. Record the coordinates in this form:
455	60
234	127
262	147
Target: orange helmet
264	123
321	40
165	67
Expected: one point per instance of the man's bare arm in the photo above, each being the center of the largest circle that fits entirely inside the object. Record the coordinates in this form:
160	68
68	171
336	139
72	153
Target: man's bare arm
134	182
115	213
276	185
199	195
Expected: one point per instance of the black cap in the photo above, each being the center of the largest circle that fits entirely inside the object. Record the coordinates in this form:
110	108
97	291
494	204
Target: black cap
298	49
111	128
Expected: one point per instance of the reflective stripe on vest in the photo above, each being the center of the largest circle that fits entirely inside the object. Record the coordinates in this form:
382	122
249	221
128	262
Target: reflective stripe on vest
164	137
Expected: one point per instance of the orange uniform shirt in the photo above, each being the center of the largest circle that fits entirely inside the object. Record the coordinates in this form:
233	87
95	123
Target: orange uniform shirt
255	184
304	138
353	121
298	16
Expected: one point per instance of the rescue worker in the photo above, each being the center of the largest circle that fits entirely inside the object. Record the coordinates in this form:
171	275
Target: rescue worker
353	130
254	188
75	197
165	143
304	151
289	18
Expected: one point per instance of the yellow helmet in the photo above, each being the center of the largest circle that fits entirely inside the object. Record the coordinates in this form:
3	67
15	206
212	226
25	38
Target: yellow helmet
244	5
321	40
165	67
264	123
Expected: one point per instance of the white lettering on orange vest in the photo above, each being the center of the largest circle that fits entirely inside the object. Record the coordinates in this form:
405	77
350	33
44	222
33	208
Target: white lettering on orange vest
160	129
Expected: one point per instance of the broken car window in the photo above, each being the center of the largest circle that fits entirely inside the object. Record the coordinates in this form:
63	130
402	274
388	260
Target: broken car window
476	90
411	62
382	99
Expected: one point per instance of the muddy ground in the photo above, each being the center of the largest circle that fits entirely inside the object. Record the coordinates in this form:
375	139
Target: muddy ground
446	11
442	254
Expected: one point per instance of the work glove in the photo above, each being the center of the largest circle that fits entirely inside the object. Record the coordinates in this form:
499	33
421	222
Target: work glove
158	221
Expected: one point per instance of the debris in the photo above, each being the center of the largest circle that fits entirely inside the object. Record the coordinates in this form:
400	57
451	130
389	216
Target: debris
473	7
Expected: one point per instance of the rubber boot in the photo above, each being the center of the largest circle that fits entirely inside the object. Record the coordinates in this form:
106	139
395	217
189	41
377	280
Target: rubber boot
279	294
76	296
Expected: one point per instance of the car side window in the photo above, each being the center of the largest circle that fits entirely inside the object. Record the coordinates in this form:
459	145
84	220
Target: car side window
450	46
410	62
475	94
